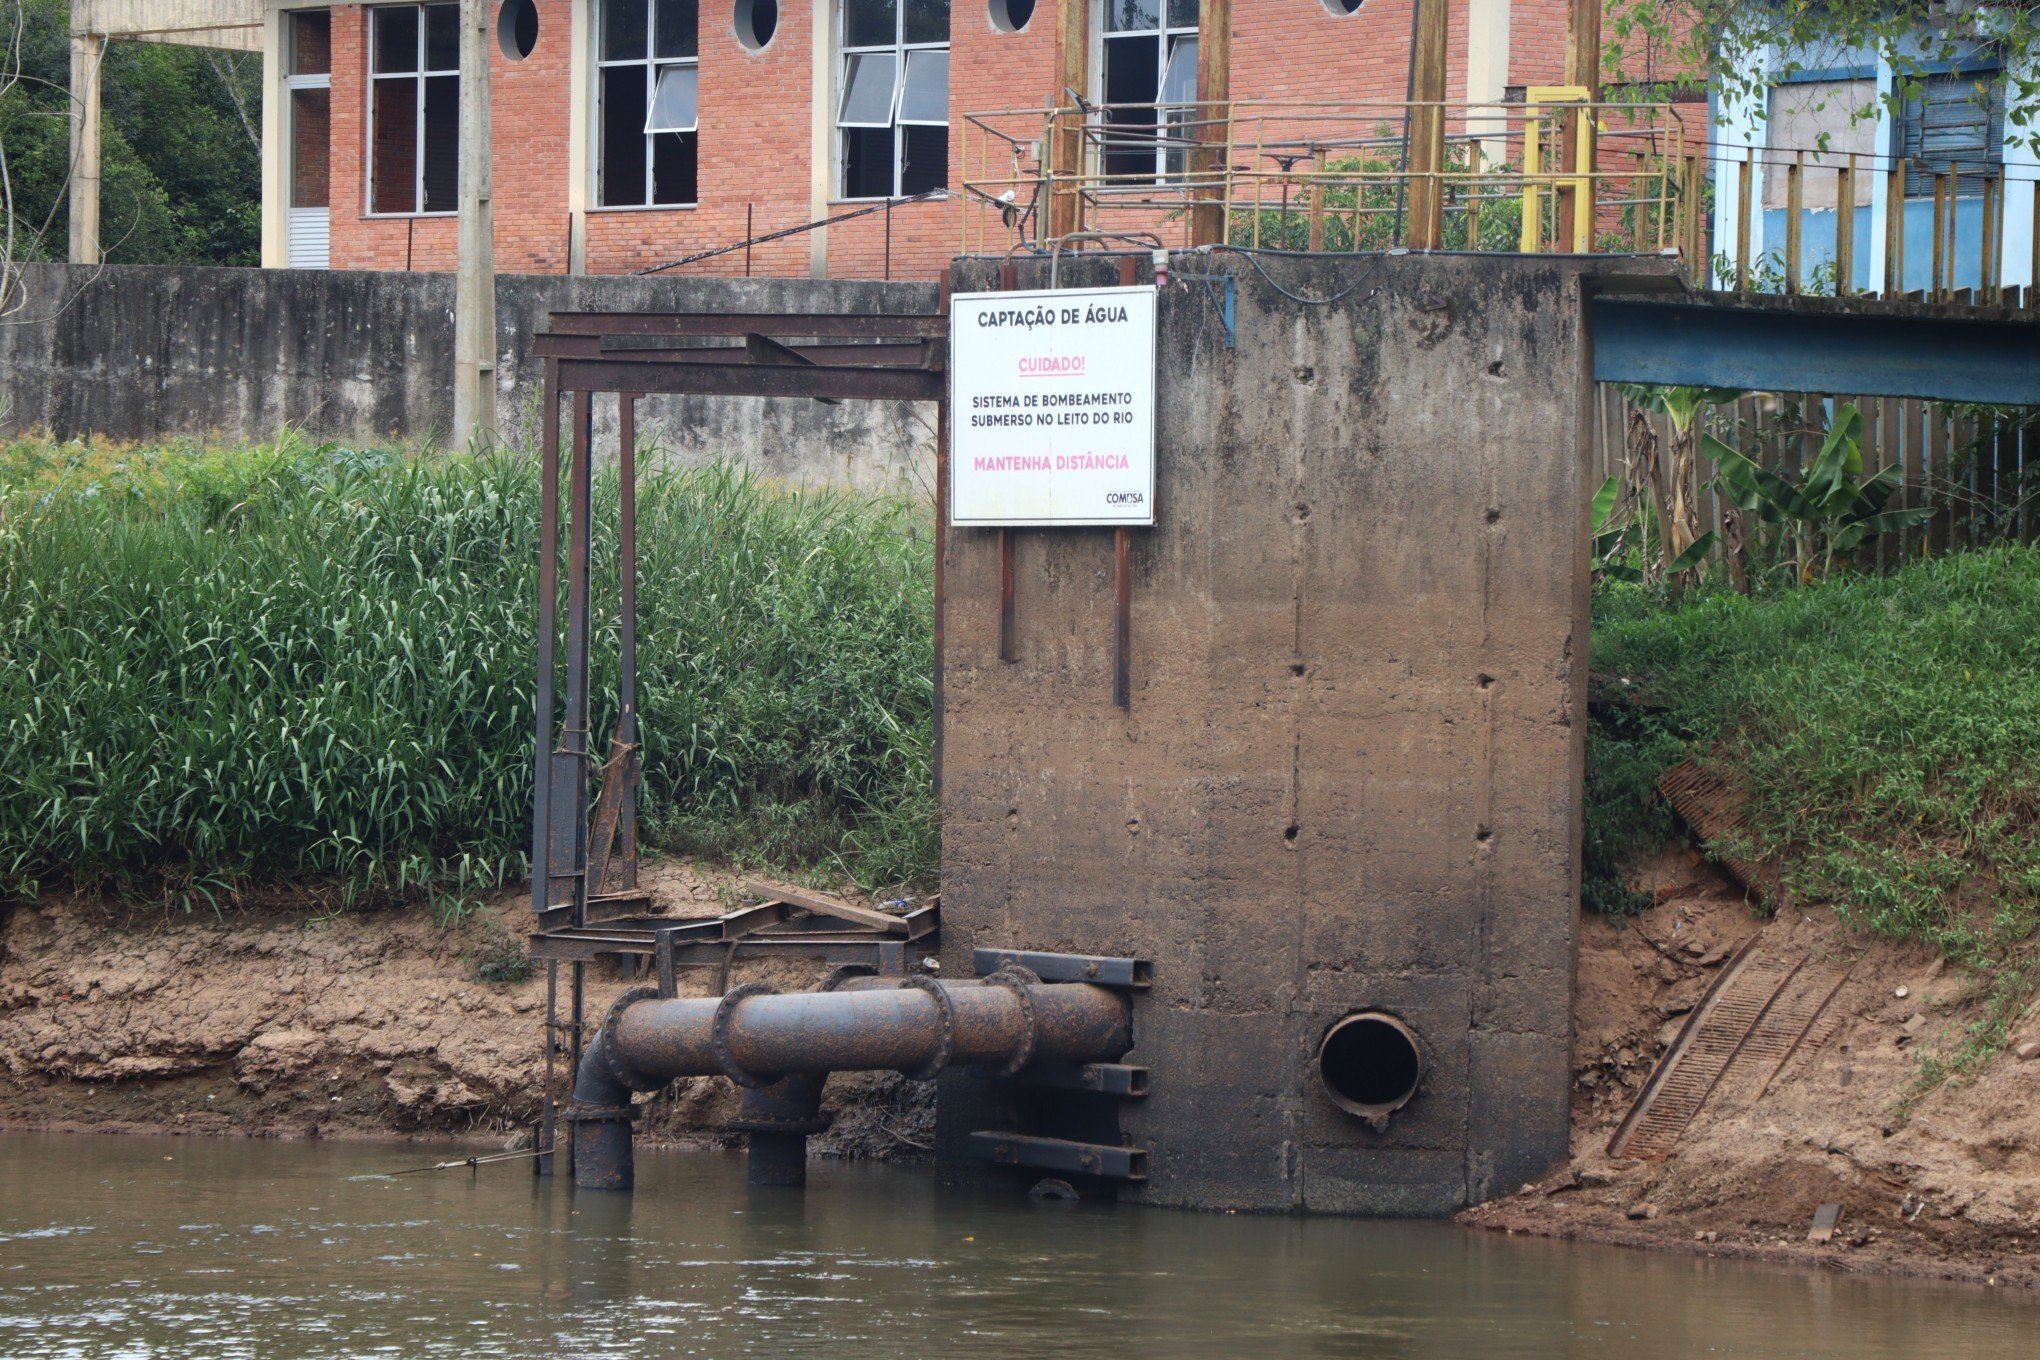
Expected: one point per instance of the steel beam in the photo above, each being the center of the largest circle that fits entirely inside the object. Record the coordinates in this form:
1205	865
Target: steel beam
612	374
1886	350
1060	1154
829	325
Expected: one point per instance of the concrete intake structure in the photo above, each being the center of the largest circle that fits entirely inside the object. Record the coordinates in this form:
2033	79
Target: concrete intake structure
781	1048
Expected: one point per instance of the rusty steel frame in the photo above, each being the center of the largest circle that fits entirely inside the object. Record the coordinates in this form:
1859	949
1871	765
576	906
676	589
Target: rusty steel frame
827	357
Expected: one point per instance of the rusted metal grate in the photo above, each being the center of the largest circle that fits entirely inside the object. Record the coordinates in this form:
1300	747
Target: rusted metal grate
1763	1009
1713	807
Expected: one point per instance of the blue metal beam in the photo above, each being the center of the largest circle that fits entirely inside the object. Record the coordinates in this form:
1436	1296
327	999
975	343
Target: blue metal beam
1817	346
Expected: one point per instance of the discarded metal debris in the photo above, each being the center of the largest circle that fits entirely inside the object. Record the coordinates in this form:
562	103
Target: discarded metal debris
1762	1010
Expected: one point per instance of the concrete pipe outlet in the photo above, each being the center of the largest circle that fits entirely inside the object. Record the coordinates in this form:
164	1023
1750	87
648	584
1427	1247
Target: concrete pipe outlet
1370	1064
780	1049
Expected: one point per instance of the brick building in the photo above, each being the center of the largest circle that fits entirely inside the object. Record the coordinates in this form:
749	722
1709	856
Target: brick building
629	133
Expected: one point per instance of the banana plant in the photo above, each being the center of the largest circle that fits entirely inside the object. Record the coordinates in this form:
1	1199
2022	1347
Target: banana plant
1672	541
1617	528
1824	515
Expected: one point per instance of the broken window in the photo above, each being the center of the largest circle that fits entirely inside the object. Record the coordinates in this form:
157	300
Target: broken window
1955	122
414	108
648	102
892	99
1149	87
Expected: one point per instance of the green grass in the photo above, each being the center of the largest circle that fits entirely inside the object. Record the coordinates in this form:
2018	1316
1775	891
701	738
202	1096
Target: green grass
1887	730
220	668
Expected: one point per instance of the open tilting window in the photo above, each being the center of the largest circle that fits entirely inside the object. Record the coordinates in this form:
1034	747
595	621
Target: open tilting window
892	97
414	108
1150	83
648	102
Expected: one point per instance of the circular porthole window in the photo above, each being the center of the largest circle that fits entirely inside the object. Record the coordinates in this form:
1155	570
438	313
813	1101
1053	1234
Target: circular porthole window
1010	16
756	21
517	28
1341	8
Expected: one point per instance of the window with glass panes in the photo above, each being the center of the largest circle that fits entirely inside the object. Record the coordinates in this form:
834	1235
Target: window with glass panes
414	108
647	95
892	97
1149	82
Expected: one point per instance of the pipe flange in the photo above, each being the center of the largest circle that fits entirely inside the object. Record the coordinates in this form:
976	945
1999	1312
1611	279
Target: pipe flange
600	1114
1017	980
945	1012
719	1033
605	1038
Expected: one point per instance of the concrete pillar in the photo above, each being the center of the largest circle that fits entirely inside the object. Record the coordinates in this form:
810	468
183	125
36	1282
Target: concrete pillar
821	133
275	142
474	305
1487	75
581	101
88	51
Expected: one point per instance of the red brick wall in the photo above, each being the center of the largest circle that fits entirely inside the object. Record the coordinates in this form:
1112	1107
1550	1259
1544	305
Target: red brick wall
755	137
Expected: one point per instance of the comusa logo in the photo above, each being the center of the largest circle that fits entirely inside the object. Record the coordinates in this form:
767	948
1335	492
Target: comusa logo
1126	498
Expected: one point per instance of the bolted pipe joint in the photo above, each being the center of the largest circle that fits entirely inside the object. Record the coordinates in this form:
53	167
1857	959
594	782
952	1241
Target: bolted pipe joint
761	1040
601	1112
778	1117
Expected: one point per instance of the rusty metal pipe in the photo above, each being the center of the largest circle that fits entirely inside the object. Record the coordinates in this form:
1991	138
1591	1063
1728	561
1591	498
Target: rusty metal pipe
758	1037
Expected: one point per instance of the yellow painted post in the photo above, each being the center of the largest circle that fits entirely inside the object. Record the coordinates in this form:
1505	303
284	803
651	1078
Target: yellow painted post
1533	155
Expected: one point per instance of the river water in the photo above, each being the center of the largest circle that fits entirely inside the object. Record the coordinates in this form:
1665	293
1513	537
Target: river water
143	1247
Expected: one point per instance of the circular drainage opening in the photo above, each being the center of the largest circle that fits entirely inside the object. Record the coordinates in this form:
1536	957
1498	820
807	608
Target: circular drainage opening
1370	1064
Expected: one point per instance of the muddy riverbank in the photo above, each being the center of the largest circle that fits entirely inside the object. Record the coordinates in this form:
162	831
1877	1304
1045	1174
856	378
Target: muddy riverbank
368	1024
1939	1180
378	1024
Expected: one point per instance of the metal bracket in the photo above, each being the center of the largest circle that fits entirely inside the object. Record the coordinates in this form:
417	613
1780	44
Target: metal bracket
1106	972
1105	1079
1060	1154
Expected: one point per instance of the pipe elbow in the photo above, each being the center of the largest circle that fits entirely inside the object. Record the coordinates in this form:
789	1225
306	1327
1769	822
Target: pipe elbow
601	1111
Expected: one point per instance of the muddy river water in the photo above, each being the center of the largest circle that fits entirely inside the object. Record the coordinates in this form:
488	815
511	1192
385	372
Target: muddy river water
143	1247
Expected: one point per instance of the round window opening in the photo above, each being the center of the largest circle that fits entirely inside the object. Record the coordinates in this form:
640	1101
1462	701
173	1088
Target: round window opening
1341	8
517	28
756	21
1010	16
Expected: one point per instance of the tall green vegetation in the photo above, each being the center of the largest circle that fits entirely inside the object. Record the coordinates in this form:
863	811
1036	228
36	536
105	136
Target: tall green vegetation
180	178
1885	728
317	665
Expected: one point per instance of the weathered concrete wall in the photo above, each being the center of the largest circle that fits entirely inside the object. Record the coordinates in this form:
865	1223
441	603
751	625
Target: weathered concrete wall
138	351
1350	775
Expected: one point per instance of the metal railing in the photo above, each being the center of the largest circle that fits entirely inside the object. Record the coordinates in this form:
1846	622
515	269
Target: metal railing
1552	173
1965	204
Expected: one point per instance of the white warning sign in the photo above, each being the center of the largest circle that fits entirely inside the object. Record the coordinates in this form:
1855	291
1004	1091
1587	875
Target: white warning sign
1052	407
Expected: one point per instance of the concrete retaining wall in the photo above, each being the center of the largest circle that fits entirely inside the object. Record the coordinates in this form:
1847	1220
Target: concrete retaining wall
140	351
1350	775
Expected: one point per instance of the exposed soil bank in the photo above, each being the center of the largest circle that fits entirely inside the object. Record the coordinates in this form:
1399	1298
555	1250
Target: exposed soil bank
367	1024
1945	1184
374	1025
